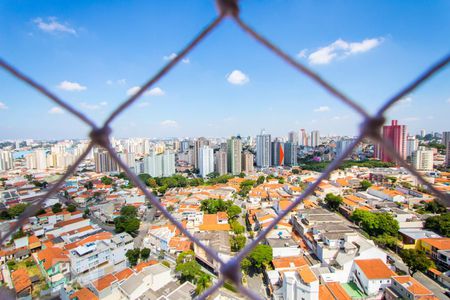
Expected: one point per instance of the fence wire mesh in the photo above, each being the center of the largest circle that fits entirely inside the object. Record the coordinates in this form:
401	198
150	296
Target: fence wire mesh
230	270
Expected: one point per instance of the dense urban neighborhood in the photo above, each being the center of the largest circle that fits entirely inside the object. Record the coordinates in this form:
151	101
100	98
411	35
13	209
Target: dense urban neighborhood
371	230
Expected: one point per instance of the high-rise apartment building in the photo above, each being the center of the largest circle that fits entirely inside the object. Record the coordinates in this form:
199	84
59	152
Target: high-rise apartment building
234	150
342	145
104	162
293	137
290	154
263	150
396	135
206	161
445	137
412	144
160	165
303	138
247	161
198	144
447	155
315	138
422	159
6	160
220	162
277	153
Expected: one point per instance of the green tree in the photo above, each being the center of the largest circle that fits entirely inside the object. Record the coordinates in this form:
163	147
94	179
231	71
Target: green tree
56	208
71	208
416	260
295	171
17	210
237	242
151	182
133	256
186	265
434	207
375	224
128	211
212	206
106	180
246	264
234	211
203	282
260	180
440	224
365	184
386	241
261	256
333	201
18	234
237	227
145	253
245	187
89	185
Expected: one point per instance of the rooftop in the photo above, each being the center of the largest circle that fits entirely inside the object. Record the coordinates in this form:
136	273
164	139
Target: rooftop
374	268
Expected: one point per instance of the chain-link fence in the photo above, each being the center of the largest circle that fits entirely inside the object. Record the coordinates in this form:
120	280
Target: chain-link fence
230	270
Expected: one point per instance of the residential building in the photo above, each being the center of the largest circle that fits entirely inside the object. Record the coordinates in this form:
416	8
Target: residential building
198	144
247	161
406	287
290	154
396	135
303	138
160	165
422	159
342	145
54	265
220	162
219	241
234	150
263	150
104	162
445	137
315	138
299	284
277	153
6	160
372	275
293	137
205	161
412	144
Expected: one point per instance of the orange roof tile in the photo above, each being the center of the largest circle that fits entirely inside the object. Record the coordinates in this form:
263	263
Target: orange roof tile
52	255
289	262
104	235
374	268
124	274
83	294
412	285
138	268
68	222
210	223
439	243
104	282
21	280
306	274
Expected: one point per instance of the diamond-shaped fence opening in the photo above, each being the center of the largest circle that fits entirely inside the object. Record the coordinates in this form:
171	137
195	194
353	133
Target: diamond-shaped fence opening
229	271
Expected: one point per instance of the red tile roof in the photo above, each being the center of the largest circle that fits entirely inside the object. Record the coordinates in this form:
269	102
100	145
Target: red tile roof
374	268
83	294
21	280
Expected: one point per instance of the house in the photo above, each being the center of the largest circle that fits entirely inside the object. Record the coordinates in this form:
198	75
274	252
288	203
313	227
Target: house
54	265
333	291
372	275
431	246
386	194
283	247
22	284
406	287
186	291
301	283
83	294
411	237
152	278
215	222
219	241
34	244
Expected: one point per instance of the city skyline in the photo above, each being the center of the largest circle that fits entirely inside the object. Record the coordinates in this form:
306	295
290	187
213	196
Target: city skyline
247	89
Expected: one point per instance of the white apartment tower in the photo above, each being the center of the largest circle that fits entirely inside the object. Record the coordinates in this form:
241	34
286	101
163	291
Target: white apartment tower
6	160
220	162
205	161
263	150
315	136
422	159
234	151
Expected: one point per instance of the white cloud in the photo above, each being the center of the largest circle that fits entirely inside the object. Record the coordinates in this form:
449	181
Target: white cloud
71	86
109	82
56	110
405	100
53	26
156	91
341	49
169	123
133	90
237	77
322	109
3	106
448	100
172	56
303	53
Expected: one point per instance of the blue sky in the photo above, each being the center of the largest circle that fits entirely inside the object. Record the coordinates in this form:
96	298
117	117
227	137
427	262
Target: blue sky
93	53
